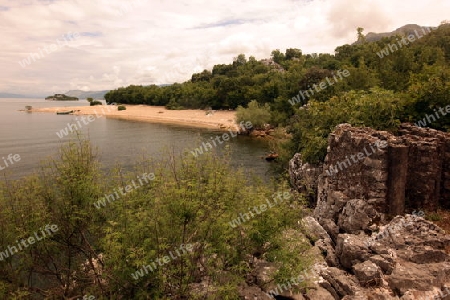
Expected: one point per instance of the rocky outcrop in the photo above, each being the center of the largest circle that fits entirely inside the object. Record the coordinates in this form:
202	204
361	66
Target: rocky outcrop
389	172
370	174
304	177
428	180
369	180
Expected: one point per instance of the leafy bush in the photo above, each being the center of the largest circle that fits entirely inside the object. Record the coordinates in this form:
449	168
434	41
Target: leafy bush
193	200
256	114
173	105
61	194
190	201
429	94
121	107
378	108
95	102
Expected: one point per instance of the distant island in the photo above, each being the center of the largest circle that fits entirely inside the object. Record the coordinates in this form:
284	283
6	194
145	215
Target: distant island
61	97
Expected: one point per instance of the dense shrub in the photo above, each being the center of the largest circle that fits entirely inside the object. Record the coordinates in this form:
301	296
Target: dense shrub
95	102
191	200
173	105
257	114
378	108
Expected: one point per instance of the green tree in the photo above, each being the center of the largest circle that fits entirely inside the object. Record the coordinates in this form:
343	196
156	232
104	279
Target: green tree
60	194
240	60
256	114
429	92
292	53
278	56
360	36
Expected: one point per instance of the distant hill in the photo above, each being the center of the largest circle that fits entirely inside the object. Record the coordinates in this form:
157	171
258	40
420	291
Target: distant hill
404	31
83	95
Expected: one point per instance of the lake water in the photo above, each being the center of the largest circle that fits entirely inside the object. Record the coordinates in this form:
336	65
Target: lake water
33	137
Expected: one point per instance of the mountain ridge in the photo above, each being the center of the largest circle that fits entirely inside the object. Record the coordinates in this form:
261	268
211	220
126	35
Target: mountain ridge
405	30
87	94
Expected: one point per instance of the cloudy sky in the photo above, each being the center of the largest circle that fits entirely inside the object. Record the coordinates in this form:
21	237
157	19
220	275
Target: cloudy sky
52	46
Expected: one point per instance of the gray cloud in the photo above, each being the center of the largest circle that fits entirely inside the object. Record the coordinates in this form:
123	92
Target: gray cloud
347	15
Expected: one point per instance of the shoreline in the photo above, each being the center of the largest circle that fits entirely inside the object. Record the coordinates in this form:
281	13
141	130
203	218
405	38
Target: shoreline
217	120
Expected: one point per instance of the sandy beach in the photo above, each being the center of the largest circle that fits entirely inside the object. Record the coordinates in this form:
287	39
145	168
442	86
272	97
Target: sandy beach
219	120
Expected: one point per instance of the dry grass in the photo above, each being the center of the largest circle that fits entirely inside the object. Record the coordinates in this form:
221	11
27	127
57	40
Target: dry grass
441	218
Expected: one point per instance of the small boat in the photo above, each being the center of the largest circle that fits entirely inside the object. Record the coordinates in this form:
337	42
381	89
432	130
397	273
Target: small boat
272	156
64	112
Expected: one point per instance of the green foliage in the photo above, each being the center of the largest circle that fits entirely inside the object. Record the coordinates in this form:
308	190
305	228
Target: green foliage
434	217
95	102
278	56
428	93
256	114
378	108
90	99
61	194
173	105
228	86
190	201
121	107
293	54
294	250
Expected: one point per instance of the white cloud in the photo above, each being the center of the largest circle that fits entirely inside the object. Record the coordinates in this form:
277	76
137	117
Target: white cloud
155	41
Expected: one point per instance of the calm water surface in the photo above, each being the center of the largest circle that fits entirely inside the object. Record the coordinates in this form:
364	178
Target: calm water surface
33	137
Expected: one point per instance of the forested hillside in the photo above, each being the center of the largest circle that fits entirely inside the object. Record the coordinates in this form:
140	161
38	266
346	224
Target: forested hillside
277	80
395	79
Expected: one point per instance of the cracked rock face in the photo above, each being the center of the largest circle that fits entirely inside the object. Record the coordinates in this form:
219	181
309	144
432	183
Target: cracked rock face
304	177
356	216
351	249
372	249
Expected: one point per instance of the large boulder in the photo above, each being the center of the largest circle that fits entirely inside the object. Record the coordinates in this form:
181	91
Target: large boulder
404	257
368	274
321	239
407	276
356	216
385	262
351	249
263	274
